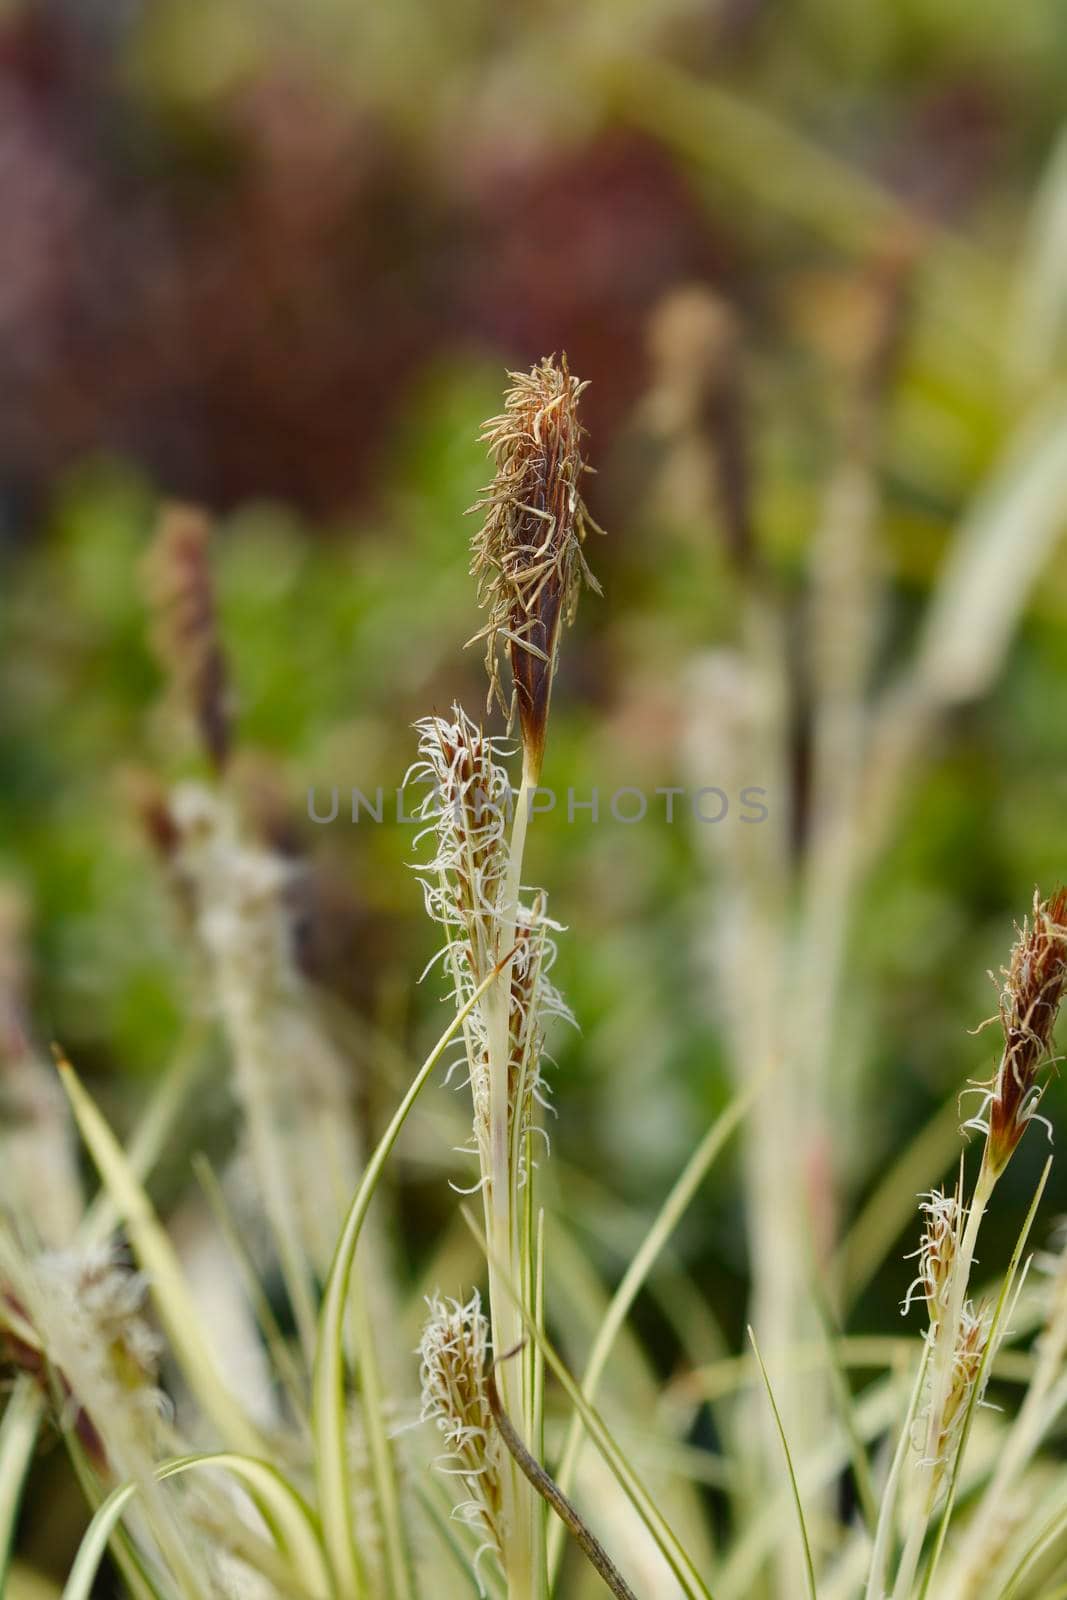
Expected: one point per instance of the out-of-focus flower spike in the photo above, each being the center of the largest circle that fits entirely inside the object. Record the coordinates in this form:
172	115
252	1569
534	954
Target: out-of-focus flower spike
181	592
1035	981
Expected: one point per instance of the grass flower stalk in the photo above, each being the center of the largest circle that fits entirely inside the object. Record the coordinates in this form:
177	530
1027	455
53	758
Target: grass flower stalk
530	567
999	1509
1033	987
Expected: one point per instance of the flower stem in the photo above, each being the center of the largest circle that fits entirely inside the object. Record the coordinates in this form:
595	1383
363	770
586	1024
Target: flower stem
931	1468
504	1221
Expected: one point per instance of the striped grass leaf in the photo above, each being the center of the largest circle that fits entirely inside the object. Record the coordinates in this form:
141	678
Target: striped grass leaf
18	1439
976	1388
328	1377
288	1516
670	1547
670	1214
883	1533
158	1259
809	1565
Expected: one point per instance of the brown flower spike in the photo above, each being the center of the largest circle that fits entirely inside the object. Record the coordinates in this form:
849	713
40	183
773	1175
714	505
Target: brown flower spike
528	556
181	591
1034	984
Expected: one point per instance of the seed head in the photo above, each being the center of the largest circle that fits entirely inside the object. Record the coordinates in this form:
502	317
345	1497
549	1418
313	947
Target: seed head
464	885
1033	988
466	809
455	1350
971	1340
527	556
534	999
937	1252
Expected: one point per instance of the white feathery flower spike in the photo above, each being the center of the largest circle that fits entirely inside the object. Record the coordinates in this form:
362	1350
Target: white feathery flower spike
466	811
456	1355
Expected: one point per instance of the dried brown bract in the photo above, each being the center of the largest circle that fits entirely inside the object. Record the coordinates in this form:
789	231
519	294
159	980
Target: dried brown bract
181	592
528	556
1033	989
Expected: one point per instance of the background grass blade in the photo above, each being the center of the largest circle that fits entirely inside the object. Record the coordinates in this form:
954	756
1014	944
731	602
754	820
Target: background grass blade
670	1214
291	1522
328	1379
158	1258
18	1438
976	1388
808	1562
670	1547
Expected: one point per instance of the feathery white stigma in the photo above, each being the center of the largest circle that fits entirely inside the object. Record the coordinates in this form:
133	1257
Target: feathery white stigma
455	1352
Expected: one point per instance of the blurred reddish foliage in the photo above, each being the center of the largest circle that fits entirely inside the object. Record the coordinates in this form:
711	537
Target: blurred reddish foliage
240	306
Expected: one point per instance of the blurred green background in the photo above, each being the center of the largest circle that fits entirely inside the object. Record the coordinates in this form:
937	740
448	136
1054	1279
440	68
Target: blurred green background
276	260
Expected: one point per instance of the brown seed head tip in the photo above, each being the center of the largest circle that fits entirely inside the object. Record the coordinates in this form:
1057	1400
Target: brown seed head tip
1035	981
180	591
527	555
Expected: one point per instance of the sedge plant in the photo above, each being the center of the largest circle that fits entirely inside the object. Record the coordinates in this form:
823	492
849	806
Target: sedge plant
332	1461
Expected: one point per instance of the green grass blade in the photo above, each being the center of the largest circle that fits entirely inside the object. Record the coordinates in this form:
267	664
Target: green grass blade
759	1536
481	1583
158	1258
883	1533
669	1545
861	1467
1052	1531
890	1208
128	1558
93	1548
285	1510
878	1351
283	1361
670	1214
808	1562
537	1394
18	1439
968	1418
380	1449
1040	303
328	1377
435	1499
151	1133
291	1522
1005	540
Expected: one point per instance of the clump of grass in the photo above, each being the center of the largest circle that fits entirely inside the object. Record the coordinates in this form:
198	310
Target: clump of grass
328	1490
962	1337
